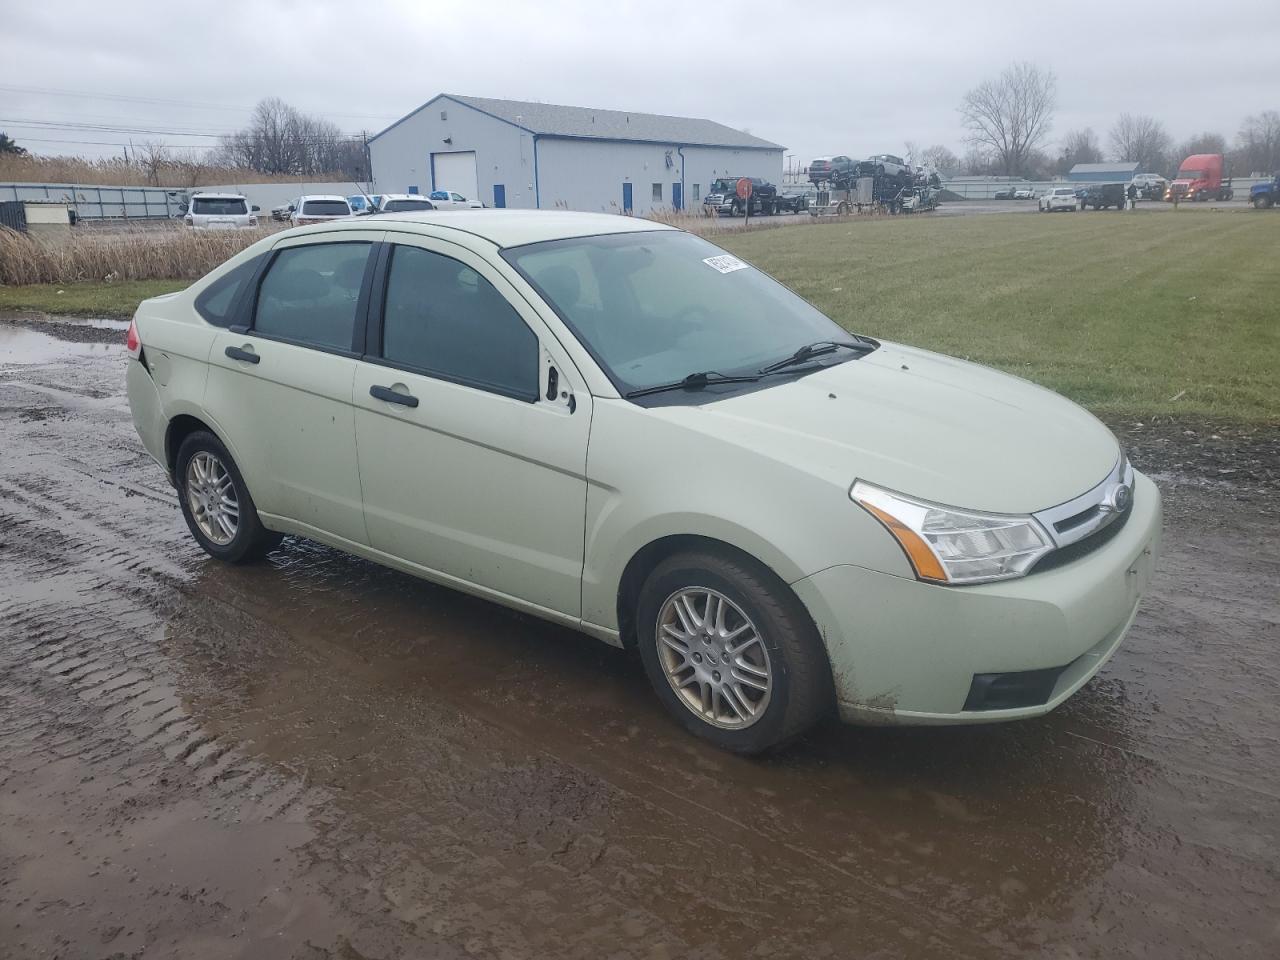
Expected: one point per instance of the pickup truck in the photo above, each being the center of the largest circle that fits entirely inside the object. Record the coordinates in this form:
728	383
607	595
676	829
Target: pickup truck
722	197
1264	195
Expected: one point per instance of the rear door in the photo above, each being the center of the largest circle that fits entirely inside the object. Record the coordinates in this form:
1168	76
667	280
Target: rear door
280	382
471	425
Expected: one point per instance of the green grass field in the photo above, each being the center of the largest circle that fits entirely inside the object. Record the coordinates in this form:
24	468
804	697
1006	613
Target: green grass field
1137	314
1121	312
117	299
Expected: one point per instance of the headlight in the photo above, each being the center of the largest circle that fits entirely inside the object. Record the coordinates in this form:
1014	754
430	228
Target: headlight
947	545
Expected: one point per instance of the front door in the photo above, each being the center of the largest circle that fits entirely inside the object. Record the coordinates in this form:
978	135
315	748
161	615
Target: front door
626	198
280	392
472	450
499	195
677	195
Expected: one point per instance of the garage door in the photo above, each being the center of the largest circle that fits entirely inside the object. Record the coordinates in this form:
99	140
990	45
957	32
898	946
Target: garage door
456	171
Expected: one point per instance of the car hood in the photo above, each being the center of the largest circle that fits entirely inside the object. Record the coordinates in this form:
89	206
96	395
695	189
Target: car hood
922	424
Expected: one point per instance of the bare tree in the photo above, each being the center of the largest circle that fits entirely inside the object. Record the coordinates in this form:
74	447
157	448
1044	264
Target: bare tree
1078	146
281	139
1258	144
941	159
1141	140
979	163
152	157
1011	115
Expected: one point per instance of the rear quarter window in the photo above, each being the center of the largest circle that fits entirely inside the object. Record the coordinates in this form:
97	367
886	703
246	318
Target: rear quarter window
217	302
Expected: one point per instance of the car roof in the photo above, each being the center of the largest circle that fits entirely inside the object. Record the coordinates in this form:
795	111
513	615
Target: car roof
506	228
407	196
322	196
217	196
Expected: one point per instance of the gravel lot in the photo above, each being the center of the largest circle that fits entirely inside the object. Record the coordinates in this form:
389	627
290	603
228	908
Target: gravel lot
319	758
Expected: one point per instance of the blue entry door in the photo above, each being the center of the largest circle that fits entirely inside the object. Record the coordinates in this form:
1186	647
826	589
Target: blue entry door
677	195
499	195
626	198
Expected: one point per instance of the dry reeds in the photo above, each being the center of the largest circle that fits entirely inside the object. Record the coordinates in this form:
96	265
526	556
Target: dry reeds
169	253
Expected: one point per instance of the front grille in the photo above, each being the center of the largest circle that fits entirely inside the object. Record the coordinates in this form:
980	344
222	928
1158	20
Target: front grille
1081	548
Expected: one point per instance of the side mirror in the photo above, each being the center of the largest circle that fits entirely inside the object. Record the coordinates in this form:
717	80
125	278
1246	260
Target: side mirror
292	208
256	209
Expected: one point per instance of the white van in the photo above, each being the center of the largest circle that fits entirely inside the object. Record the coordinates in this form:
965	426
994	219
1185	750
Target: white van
220	211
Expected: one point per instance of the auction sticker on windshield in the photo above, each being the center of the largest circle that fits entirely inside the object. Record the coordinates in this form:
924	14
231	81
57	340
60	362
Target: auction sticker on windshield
725	264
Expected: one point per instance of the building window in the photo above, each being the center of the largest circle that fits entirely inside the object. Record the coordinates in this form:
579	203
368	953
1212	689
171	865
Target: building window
657	193
444	114
697	192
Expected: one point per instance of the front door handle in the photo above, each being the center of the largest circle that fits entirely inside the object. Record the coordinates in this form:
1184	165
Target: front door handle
248	356
393	396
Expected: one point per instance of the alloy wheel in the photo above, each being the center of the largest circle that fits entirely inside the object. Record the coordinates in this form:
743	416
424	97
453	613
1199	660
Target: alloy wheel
714	658
211	495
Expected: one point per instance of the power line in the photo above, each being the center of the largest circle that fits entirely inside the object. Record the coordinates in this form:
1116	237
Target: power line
46	91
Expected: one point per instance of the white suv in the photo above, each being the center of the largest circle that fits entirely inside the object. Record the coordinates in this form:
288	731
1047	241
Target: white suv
220	211
1059	198
452	200
619	427
318	208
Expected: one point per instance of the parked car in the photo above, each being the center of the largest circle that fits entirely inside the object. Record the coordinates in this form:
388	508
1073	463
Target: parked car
1004	193
361	205
220	211
495	401
722	197
404	203
452	200
1150	186
281	213
317	208
1058	198
1024	193
1100	196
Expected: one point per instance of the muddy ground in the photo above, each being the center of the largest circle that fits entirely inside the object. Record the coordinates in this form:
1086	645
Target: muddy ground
319	758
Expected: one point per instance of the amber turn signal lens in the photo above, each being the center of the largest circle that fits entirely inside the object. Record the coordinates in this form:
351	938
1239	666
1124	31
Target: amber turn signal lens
922	559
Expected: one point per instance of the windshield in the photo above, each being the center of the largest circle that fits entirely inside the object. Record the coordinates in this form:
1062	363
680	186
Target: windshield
655	307
724	186
403	206
219	206
325	208
1191	175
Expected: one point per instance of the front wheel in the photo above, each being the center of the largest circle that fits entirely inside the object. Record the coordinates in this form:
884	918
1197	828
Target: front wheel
731	652
216	503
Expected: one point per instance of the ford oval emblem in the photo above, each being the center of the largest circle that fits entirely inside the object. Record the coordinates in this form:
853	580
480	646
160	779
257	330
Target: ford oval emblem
1119	497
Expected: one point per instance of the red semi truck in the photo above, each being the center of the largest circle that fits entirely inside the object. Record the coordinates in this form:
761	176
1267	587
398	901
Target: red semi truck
1200	178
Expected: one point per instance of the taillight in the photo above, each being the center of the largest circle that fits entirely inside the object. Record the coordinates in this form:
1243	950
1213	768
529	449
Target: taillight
133	342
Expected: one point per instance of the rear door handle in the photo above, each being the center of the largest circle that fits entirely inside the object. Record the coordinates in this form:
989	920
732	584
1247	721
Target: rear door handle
248	356
393	396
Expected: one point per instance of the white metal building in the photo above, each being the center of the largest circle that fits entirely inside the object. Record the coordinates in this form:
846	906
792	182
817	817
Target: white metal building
509	153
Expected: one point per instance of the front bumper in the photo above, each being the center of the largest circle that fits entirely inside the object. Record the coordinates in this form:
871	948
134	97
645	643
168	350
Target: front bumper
908	652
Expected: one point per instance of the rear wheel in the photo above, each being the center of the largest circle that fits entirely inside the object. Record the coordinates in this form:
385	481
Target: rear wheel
731	652
216	503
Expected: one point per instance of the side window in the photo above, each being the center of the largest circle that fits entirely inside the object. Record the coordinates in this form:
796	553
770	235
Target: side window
309	294
443	318
216	301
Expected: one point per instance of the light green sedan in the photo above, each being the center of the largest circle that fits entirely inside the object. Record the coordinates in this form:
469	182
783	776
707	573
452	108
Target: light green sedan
617	426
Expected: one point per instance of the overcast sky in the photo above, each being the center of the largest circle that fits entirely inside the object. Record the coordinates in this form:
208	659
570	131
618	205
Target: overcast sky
859	81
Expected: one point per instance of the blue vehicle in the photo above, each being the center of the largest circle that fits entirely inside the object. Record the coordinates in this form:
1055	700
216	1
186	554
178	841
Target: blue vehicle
1263	195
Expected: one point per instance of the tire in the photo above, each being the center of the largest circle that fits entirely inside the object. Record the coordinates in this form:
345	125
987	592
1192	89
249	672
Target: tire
249	539
736	209
1261	203
786	650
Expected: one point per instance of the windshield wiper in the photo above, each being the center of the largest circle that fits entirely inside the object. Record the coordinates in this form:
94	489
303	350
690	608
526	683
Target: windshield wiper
818	349
694	381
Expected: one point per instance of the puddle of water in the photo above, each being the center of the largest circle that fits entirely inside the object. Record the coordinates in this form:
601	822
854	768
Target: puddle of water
101	323
21	346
